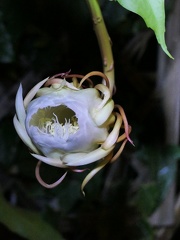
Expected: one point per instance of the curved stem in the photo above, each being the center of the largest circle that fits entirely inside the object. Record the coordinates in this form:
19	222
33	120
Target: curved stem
103	40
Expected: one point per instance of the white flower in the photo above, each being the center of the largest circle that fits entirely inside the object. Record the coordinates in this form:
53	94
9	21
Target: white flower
66	124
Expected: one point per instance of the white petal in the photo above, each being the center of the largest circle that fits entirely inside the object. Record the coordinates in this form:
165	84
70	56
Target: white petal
106	93
113	136
79	159
33	92
103	114
20	110
93	172
51	161
23	135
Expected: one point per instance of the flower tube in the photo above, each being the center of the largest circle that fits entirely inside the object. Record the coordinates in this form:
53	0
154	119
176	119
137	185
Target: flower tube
67	122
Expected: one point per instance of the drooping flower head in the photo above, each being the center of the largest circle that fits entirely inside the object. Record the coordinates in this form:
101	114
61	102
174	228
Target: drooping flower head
69	123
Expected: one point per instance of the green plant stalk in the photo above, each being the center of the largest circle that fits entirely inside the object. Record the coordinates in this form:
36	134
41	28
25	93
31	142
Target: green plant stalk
103	41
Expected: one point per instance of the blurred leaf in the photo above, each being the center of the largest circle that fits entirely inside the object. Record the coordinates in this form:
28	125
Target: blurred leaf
6	48
69	194
152	11
146	230
161	163
113	15
148	198
8	142
27	224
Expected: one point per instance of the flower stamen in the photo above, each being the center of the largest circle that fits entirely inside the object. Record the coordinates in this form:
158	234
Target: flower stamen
55	128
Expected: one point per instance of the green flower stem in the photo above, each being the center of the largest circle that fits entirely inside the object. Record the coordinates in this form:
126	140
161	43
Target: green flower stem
103	40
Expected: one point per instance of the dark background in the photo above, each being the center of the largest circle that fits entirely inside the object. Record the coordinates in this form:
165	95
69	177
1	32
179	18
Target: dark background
42	38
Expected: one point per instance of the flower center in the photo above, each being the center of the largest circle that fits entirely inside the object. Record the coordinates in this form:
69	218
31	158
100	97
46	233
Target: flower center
57	121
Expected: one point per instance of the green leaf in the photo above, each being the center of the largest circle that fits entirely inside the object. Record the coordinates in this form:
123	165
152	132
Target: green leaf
152	11
25	223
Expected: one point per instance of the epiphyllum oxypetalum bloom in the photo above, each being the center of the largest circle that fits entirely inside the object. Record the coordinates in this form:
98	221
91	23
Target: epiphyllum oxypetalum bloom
66	124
